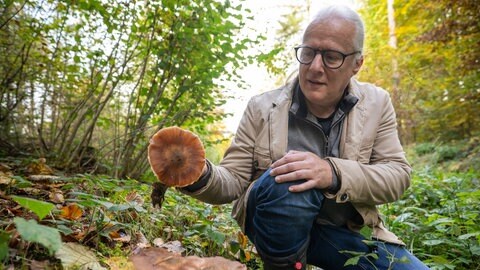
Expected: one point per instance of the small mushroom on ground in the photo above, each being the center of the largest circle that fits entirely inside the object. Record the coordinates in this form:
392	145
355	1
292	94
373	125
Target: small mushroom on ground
176	156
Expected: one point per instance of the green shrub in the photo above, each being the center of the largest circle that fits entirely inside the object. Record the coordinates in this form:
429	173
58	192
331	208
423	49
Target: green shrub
446	153
424	148
438	219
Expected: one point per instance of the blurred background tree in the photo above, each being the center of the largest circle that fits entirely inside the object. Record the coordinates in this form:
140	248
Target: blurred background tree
438	65
87	82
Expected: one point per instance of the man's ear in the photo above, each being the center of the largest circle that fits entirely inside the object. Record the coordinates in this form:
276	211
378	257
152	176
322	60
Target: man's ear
358	65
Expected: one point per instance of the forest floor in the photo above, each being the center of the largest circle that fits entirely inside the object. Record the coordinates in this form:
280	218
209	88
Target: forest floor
50	220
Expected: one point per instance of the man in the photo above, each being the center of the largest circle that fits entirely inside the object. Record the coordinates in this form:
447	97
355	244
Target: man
310	161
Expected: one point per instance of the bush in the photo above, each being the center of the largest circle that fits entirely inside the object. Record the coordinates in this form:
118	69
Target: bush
424	148
446	153
438	219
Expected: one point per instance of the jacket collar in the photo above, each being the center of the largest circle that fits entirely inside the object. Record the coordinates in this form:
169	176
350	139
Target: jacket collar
285	102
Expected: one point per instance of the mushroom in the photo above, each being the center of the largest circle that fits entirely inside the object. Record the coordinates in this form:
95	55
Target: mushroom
176	156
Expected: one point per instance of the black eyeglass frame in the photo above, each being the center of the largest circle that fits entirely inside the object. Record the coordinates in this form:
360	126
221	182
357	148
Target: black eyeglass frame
322	53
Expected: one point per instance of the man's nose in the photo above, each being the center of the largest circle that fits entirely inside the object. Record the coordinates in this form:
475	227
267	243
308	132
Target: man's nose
317	63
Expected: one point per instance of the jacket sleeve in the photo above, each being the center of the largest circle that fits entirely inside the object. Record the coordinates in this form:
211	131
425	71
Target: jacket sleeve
231	178
378	171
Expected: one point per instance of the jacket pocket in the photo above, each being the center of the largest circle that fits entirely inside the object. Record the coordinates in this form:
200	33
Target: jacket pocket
261	161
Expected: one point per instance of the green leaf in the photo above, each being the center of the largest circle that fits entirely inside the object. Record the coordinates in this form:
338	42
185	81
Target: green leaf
33	232
352	261
40	208
217	237
4	239
468	235
433	242
21	182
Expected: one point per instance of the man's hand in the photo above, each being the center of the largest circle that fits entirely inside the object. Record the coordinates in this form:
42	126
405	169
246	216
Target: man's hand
296	165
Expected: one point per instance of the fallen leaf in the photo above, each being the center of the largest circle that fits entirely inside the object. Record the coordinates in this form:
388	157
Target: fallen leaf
31	231
248	256
135	197
71	212
56	197
142	241
39	265
76	256
120	236
34	191
174	246
5	168
42	178
39	167
242	239
158	242
6	178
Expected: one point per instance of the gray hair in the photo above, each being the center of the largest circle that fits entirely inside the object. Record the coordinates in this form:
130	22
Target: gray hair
346	13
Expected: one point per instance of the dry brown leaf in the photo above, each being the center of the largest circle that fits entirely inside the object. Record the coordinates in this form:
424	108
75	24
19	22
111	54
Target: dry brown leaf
39	167
174	246
57	196
6	178
158	242
42	178
5	168
71	212
34	191
248	255
142	241
120	236
39	265
135	197
242	240
159	258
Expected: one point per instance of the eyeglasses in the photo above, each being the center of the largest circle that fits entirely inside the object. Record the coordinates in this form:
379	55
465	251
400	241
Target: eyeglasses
330	58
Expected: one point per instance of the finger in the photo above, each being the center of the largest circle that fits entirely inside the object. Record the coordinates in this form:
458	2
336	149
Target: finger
291	156
292	176
288	168
302	187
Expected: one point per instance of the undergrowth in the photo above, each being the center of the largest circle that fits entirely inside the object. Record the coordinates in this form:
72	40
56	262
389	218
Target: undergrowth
437	217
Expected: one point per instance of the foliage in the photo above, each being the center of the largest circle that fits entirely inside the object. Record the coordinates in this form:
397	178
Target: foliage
88	82
438	216
111	216
41	209
33	232
438	89
424	148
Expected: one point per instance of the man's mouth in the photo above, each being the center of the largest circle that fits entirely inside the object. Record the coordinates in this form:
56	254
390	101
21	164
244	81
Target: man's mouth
316	82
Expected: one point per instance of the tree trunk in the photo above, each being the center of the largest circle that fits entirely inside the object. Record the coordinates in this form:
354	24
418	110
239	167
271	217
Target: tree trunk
396	95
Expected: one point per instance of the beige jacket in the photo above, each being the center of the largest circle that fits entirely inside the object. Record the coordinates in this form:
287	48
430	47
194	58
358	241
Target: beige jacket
372	167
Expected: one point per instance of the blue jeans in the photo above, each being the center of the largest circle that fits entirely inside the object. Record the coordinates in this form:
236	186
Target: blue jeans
280	222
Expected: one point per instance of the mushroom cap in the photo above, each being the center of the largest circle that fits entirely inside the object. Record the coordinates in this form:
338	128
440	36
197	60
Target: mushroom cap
176	156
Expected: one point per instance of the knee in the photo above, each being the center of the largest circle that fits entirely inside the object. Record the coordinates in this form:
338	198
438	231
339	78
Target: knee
267	191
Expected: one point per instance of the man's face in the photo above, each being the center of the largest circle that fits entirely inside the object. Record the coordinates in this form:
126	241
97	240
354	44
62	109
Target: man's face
324	87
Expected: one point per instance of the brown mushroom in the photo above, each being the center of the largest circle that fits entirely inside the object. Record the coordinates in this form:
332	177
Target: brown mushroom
176	156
